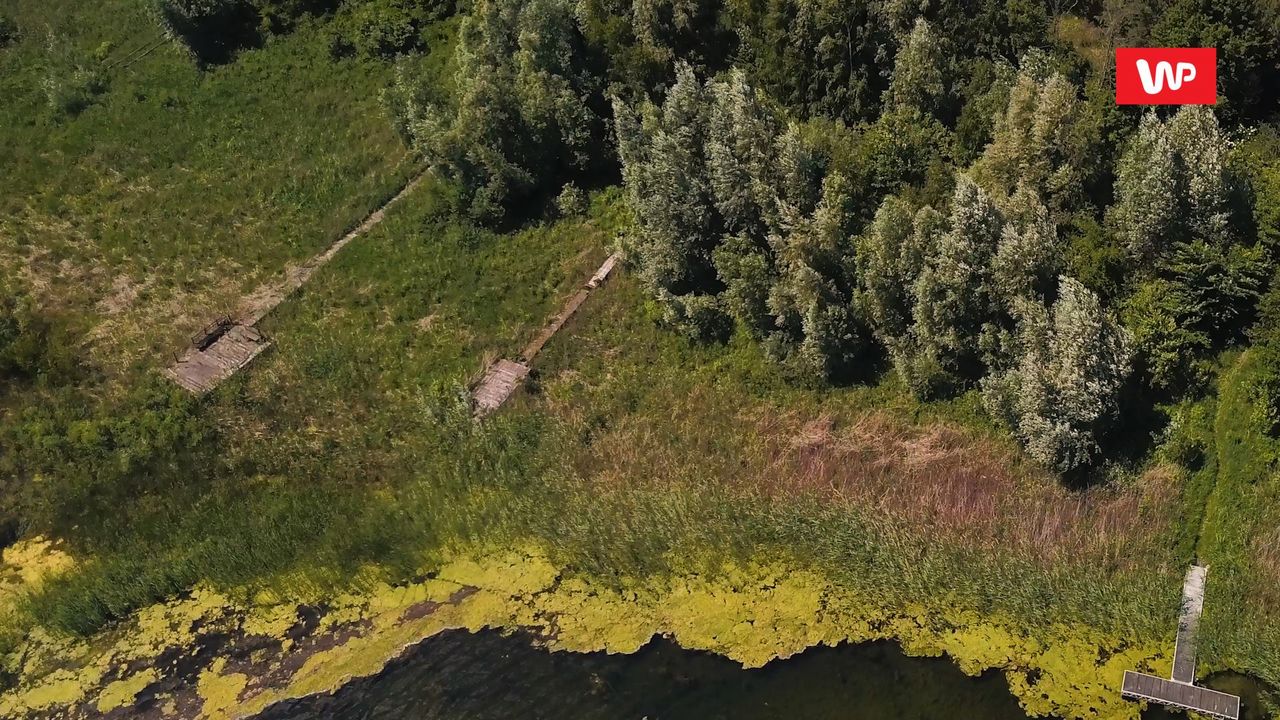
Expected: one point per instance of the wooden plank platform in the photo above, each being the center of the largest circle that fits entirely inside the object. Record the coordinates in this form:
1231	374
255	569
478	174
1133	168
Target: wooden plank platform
499	381
228	344
503	377
200	371
1216	704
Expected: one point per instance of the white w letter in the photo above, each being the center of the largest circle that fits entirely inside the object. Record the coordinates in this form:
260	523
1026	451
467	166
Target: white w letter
1154	84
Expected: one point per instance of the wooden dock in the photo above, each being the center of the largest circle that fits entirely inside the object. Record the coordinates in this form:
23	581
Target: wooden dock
228	344
1184	696
499	381
1184	648
1179	690
502	377
199	370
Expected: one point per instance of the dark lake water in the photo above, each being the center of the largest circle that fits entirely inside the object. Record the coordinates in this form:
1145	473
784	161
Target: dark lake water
489	676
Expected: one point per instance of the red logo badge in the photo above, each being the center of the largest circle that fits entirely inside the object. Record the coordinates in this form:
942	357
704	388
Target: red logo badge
1166	76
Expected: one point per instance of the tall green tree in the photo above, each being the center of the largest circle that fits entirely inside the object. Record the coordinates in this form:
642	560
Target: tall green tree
528	113
918	71
664	165
739	215
1062	393
1030	255
1040	141
1146	213
817	57
953	295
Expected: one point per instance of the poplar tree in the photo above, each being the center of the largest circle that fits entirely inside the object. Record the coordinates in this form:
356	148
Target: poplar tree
917	71
525	115
665	172
1146	210
1202	151
1173	185
812	300
953	294
740	154
1038	142
1063	391
1029	256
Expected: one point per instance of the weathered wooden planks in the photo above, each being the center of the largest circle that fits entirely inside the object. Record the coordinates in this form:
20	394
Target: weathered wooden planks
1179	691
502	377
499	381
200	371
227	344
1184	649
1141	686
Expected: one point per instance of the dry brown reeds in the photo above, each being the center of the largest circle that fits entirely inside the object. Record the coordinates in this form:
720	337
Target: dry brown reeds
948	484
963	489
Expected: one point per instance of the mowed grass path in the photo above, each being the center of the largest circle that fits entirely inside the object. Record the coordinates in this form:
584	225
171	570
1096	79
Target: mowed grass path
177	189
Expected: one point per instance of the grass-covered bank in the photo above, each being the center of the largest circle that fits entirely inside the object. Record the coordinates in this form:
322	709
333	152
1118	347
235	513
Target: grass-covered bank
1241	529
639	457
140	213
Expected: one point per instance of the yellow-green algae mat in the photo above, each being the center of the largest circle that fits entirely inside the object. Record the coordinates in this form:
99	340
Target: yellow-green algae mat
201	656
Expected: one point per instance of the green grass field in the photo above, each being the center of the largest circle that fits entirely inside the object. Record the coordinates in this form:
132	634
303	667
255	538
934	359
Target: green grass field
175	190
634	453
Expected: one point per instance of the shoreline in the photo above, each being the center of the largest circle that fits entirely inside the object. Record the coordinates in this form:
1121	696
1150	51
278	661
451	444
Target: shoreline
208	656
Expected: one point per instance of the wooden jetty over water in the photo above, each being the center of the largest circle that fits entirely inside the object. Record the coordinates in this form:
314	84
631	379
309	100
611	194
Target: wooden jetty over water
502	377
1180	690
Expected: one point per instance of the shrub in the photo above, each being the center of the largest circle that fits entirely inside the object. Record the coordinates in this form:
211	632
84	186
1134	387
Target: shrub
385	28
8	31
72	81
31	345
571	200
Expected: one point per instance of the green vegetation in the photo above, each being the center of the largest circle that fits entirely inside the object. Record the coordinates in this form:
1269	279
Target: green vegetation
927	316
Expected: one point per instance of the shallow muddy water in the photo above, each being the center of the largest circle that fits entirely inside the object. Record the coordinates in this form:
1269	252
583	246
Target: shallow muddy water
488	676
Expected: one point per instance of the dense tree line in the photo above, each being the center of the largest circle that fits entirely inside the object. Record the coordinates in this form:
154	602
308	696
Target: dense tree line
947	185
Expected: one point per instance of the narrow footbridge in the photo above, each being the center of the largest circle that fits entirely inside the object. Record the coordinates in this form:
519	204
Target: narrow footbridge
230	343
502	377
1180	690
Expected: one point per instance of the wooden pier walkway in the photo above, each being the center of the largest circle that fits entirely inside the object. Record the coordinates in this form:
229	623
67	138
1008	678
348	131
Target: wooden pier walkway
1179	690
502	377
229	344
1184	648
